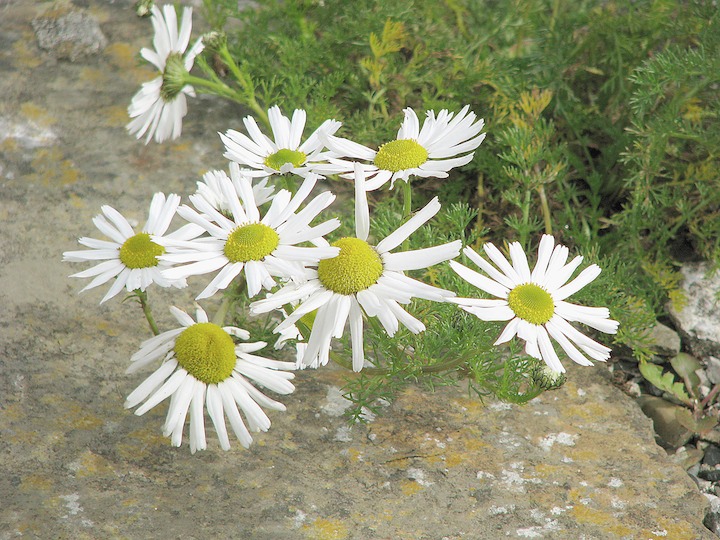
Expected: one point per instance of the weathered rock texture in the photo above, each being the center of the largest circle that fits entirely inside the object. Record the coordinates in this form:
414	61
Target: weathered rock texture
699	319
70	35
577	463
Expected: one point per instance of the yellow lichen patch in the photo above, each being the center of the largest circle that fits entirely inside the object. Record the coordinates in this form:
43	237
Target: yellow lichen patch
669	529
8	144
37	114
23	57
76	202
544	470
603	520
586	411
182	147
125	57
326	529
51	168
410	487
77	417
107	328
115	116
454	459
354	455
93	75
94	466
142	443
36	482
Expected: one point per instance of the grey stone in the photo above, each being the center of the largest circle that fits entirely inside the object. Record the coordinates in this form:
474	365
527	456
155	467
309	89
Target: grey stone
712	519
711	475
712	369
664	340
69	36
698	321
577	462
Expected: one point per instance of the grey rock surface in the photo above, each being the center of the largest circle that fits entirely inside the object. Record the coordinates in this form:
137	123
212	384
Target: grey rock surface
664	341
70	35
699	319
580	462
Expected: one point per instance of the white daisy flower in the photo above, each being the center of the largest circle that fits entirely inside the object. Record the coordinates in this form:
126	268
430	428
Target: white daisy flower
209	189
158	108
132	258
534	302
426	152
362	278
203	366
265	248
285	154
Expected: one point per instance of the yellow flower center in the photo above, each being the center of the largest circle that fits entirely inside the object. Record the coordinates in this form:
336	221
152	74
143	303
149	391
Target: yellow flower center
400	155
357	267
251	243
531	303
207	352
173	78
140	252
281	157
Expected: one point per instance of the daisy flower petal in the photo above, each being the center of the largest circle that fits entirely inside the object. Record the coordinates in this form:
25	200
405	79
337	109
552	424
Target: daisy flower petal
428	151
285	153
157	109
133	259
361	278
533	301
204	367
263	249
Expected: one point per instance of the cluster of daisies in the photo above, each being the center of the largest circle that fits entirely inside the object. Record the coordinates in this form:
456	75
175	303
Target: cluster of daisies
239	228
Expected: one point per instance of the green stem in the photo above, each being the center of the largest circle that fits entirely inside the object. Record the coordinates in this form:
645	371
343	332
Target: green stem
246	83
525	218
545	209
407	208
230	298
407	199
217	87
143	299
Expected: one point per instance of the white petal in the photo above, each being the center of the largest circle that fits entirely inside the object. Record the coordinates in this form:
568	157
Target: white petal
405	230
421	258
356	336
508	332
547	350
519	261
545	250
502	263
362	212
165	391
215	409
478	280
585	277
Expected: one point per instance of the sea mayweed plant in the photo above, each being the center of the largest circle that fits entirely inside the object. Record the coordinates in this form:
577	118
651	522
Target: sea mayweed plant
261	238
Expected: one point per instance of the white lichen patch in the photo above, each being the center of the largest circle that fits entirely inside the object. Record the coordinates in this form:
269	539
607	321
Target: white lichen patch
343	434
335	403
615	483
513	479
299	518
482	474
72	504
419	476
500	406
550	526
565	439
501	510
26	134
